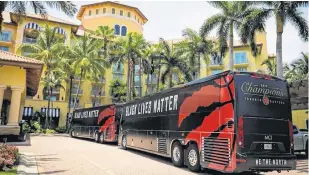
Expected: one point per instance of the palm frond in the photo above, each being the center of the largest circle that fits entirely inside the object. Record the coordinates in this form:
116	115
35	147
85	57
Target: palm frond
210	24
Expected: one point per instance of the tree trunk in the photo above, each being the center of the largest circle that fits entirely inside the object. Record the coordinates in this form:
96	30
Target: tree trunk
133	82
199	66
279	47
147	84
80	81
231	45
48	106
70	99
170	84
158	78
50	117
128	81
140	79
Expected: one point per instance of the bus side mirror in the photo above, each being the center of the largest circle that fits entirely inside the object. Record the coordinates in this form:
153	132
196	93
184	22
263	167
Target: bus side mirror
295	131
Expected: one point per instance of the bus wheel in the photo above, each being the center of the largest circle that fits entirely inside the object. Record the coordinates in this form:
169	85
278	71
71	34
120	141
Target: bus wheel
177	154
124	142
101	140
96	137
193	158
72	133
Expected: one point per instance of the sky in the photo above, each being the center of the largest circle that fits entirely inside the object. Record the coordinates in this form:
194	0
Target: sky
167	19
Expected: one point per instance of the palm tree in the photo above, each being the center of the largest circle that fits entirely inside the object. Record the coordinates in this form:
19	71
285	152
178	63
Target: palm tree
39	7
87	59
271	66
193	47
107	34
53	80
127	49
298	69
301	64
171	61
230	19
47	49
283	11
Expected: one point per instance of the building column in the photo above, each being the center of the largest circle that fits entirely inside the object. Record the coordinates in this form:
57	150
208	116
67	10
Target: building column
15	105
2	89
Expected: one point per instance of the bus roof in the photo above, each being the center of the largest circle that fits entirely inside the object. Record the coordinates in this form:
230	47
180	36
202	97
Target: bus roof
117	104
204	79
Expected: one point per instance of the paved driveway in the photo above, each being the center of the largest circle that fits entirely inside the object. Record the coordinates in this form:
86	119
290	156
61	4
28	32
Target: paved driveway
69	156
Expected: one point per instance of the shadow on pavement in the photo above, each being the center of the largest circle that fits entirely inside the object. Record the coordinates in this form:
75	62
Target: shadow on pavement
302	163
53	172
91	140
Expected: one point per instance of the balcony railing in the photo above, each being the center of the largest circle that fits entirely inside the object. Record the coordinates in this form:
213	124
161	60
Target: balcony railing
5	38
30	40
74	91
241	61
97	93
100	80
216	62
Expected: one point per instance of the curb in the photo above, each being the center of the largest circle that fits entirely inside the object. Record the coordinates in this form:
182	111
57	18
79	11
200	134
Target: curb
27	164
65	135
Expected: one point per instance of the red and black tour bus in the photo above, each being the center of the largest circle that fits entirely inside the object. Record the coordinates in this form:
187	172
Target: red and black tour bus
98	123
229	122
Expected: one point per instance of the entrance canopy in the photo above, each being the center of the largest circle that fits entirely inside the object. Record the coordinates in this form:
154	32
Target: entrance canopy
33	69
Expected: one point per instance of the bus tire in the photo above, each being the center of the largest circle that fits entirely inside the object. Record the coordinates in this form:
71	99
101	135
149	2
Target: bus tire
193	158
101	138
124	142
177	154
96	137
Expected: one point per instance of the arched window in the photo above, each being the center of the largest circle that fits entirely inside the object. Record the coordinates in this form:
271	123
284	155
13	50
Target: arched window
117	29
123	31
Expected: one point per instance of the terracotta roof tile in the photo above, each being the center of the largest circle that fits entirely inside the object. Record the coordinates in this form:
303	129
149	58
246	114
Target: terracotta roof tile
47	17
7	56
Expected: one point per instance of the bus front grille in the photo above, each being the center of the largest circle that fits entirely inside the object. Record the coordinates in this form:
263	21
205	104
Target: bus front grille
216	150
161	145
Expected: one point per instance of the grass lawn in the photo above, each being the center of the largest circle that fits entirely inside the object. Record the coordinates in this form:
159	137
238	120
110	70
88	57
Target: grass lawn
12	171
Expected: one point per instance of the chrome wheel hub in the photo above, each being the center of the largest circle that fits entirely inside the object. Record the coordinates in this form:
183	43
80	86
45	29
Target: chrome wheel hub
124	142
176	154
101	137
192	157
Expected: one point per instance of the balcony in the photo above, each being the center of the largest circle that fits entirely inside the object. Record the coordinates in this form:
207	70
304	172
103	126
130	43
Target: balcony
55	91
97	93
5	38
74	92
100	80
241	62
77	106
216	64
29	40
136	83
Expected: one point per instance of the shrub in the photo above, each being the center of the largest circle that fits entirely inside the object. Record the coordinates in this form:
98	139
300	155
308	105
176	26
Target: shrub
50	131
9	156
60	129
26	128
37	125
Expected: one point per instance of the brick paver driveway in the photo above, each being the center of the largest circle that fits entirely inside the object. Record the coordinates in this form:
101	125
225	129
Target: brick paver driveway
69	156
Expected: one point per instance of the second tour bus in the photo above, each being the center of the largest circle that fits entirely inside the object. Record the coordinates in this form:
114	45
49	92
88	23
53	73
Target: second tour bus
229	122
98	123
